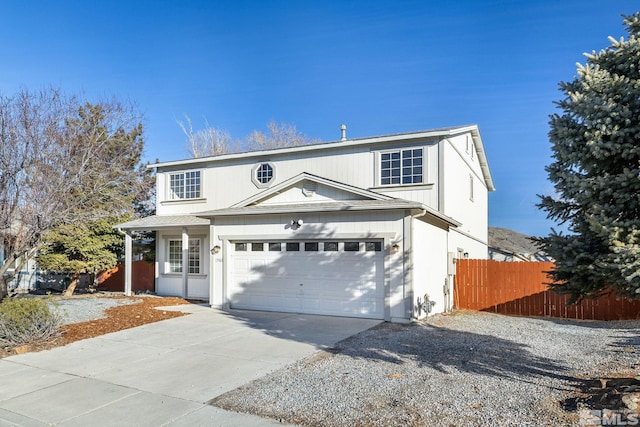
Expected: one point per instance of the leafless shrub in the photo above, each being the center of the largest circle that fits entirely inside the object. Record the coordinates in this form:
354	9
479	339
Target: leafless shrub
27	321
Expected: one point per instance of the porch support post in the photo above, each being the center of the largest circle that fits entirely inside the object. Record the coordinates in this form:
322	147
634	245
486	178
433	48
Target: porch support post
185	261
128	265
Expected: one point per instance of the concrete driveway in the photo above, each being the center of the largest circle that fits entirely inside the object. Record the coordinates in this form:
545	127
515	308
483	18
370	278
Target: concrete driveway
162	374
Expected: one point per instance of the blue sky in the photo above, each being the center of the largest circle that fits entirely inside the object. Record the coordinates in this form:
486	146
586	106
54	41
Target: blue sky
381	67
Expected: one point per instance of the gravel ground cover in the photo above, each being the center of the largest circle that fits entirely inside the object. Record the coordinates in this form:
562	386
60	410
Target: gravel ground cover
84	309
461	369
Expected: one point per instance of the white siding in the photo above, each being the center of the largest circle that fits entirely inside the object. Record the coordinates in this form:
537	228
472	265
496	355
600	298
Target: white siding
429	265
459	167
228	182
322	193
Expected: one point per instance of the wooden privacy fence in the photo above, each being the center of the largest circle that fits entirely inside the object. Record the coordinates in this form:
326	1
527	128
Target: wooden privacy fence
142	278
518	288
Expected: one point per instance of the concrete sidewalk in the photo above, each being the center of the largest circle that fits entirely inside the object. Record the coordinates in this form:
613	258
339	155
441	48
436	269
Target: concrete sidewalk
162	374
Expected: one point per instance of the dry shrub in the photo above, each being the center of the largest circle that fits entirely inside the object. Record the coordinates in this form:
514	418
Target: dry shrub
27	321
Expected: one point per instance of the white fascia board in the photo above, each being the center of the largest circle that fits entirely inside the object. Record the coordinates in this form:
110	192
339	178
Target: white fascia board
482	158
322	146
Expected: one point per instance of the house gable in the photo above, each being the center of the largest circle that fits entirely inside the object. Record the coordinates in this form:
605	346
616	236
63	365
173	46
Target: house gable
307	188
308	191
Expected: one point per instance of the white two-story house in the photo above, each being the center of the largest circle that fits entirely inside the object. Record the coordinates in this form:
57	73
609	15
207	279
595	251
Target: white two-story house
366	227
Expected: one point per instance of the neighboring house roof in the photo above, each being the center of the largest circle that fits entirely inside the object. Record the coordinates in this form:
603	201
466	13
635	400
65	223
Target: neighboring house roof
399	137
511	243
162	221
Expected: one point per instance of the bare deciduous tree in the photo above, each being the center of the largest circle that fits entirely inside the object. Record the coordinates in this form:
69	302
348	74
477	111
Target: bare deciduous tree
62	162
206	142
212	141
280	135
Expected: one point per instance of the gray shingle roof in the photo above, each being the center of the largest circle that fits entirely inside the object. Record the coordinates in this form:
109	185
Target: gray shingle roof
163	221
340	206
347	205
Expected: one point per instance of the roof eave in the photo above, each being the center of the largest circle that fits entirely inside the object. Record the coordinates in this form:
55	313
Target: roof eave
183	221
444	132
482	159
303	209
414	207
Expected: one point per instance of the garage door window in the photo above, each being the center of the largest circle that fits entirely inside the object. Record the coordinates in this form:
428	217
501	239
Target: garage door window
293	246
275	247
345	246
351	246
330	246
373	246
311	247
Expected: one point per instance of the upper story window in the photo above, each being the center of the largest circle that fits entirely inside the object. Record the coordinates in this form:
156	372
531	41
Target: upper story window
263	174
184	185
402	167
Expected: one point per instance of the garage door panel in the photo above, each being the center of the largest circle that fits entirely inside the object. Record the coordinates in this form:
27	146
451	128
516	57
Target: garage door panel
316	282
336	307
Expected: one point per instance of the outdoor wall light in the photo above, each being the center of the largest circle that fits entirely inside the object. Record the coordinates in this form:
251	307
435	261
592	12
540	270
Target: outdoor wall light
395	248
215	250
296	223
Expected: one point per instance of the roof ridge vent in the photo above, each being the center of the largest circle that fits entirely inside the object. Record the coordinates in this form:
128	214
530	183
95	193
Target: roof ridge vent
343	132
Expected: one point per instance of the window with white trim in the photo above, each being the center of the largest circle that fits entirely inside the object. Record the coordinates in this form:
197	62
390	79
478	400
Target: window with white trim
194	256
402	167
184	185
263	174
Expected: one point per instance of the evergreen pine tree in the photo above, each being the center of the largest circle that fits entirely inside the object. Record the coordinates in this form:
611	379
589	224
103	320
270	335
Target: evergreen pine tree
596	174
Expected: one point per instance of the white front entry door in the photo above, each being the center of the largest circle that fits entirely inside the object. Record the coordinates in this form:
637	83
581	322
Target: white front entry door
341	278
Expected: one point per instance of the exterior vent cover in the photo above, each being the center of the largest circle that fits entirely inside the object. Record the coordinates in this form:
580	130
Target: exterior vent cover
309	188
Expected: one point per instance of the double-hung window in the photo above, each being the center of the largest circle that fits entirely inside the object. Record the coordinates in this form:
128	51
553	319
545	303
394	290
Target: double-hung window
175	256
184	185
402	167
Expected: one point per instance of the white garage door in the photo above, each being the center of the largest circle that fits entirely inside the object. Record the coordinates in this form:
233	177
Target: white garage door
342	278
